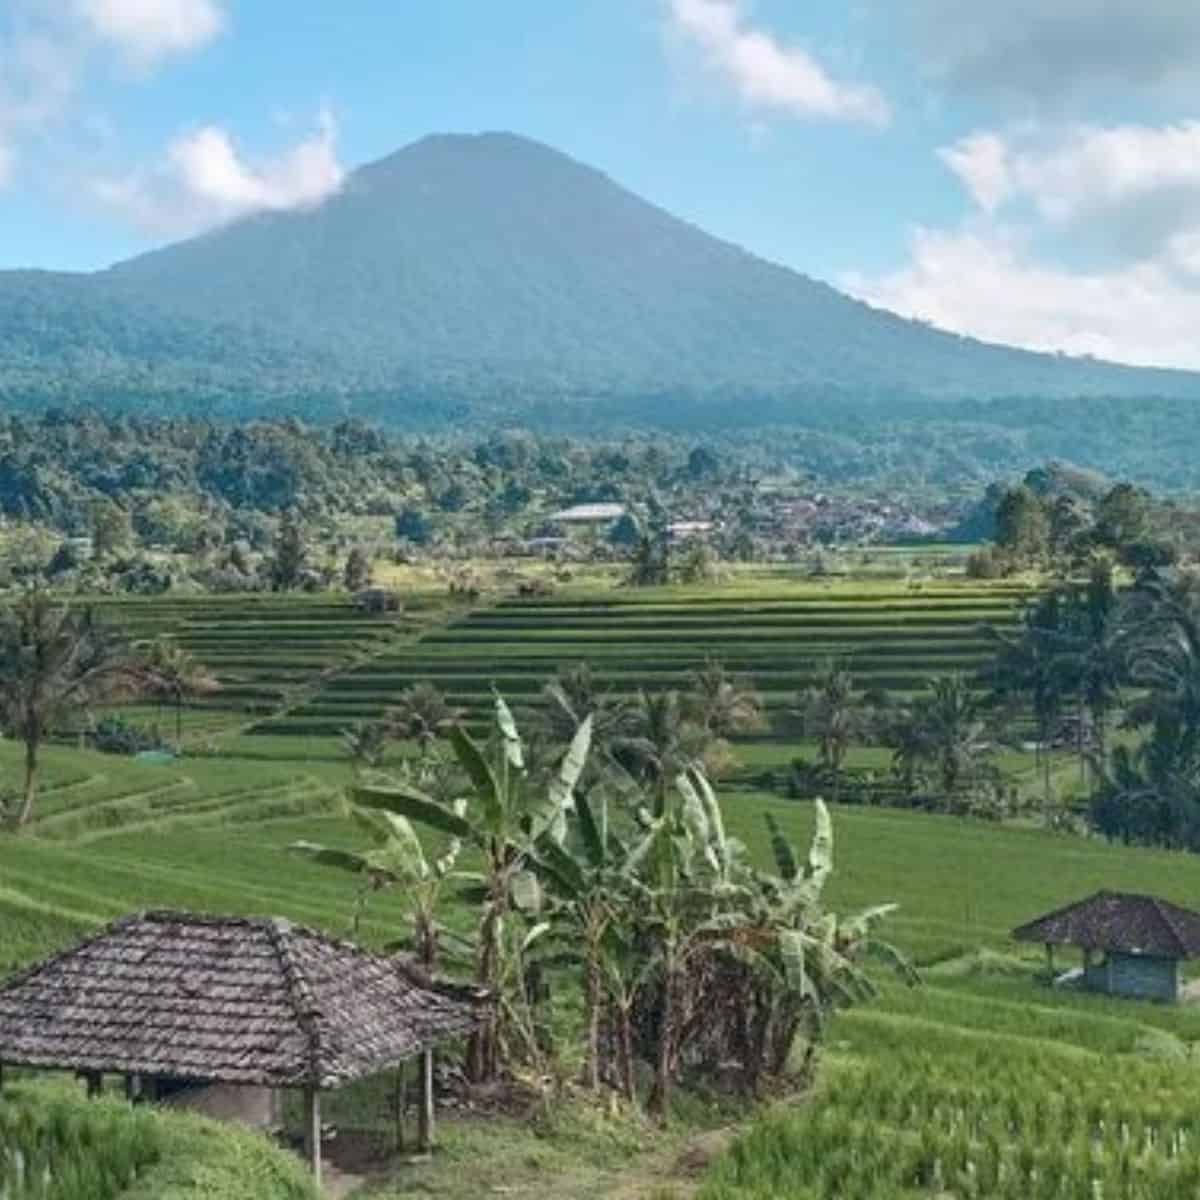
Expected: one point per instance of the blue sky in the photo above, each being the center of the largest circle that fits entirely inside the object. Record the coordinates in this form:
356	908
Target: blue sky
1026	172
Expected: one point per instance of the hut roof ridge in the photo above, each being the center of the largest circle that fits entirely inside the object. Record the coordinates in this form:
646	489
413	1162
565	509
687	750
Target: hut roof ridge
1127	922
225	998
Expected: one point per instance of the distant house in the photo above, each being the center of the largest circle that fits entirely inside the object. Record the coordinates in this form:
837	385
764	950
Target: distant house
589	514
681	531
1131	944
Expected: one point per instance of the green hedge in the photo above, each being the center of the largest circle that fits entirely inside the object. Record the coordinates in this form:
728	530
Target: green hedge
57	1145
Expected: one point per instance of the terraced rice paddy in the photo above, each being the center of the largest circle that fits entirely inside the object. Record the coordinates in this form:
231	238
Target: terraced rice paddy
892	638
266	651
956	1092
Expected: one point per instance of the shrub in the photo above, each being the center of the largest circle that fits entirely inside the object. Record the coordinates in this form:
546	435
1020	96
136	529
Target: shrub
116	735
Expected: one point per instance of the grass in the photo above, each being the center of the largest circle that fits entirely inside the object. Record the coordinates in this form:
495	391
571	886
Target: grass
57	1145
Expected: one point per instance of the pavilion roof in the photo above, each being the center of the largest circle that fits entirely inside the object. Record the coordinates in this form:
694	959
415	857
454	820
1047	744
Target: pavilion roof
1126	922
244	1000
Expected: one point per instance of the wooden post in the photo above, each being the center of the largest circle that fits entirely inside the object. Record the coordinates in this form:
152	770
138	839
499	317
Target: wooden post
95	1084
401	1102
1050	959
312	1131
425	1112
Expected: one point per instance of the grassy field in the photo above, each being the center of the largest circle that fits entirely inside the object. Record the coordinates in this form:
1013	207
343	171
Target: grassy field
982	1082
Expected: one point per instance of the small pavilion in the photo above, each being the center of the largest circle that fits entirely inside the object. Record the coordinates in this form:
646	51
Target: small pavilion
1132	944
227	1011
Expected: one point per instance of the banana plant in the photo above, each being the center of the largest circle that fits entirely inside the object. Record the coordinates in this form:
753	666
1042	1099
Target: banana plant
397	860
503	821
594	890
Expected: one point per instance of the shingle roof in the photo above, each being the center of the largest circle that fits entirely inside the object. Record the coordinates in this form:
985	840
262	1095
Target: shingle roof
226	999
1122	921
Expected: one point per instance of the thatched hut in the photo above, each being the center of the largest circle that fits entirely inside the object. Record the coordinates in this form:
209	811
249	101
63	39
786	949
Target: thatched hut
226	1011
1131	944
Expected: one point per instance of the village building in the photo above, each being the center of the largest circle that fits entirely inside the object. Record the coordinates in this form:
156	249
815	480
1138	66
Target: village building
1131	944
220	1013
589	514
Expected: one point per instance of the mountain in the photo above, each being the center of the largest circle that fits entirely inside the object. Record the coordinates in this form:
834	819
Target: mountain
490	274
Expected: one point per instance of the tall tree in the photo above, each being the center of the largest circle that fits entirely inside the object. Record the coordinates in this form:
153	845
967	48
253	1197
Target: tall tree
356	574
55	664
1022	527
290	554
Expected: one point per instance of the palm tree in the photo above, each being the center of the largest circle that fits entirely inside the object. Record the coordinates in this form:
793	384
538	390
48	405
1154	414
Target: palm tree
946	729
835	716
662	743
54	665
723	705
1092	655
422	714
174	673
1028	665
365	743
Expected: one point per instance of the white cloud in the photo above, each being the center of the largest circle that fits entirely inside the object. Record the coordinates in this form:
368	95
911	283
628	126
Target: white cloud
981	161
205	180
7	161
1124	199
767	75
1085	169
147	31
987	283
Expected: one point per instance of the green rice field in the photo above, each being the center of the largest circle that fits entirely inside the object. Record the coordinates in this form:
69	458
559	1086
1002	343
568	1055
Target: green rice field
891	637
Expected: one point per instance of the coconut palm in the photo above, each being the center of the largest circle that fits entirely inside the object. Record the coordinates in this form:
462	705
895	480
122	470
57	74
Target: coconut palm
722	704
834	716
175	674
422	714
1092	654
1028	665
55	664
663	741
946	729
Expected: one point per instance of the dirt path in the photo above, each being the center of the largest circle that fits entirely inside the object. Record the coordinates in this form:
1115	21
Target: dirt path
665	1168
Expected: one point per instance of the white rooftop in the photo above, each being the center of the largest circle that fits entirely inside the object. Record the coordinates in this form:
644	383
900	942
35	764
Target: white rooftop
589	512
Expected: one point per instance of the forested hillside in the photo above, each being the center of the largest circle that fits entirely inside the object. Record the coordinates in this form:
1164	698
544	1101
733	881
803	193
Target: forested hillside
469	276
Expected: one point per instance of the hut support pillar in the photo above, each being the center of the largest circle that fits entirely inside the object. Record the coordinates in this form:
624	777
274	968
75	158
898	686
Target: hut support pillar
95	1084
312	1131
1050	958
401	1102
425	1112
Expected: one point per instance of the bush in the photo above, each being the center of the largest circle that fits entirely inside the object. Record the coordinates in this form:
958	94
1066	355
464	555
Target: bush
116	735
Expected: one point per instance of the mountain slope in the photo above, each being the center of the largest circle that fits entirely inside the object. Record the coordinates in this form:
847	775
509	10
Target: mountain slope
489	270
